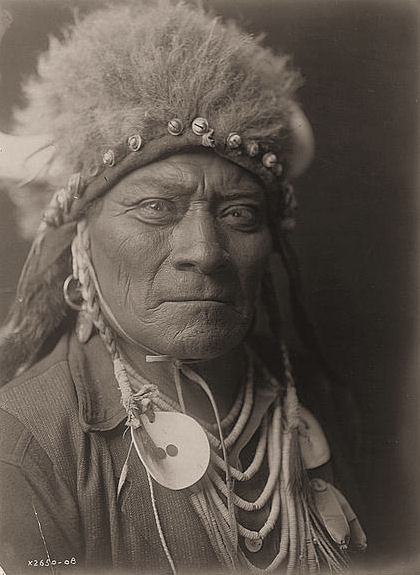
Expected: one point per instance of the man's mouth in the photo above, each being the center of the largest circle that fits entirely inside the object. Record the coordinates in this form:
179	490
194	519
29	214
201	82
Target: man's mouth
194	298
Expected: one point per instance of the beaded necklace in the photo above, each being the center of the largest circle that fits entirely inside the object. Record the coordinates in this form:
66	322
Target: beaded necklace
303	542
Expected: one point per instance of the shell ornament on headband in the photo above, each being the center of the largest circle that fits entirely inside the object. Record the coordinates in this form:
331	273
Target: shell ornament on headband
27	159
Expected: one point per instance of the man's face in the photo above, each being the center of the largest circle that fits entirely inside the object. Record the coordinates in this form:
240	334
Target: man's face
179	248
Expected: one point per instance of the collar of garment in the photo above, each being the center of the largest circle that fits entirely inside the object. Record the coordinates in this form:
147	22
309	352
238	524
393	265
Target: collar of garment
99	397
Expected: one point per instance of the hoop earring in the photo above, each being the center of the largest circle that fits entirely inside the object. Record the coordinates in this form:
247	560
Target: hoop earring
72	295
74	299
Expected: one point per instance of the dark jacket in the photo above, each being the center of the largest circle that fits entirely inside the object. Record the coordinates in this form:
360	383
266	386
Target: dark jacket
62	449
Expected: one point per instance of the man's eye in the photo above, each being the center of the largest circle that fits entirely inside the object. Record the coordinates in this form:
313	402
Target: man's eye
241	217
156	210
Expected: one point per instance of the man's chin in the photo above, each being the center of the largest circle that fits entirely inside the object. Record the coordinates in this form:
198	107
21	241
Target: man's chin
207	342
202	348
193	331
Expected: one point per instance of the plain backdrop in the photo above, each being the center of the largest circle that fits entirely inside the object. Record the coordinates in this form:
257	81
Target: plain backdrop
358	216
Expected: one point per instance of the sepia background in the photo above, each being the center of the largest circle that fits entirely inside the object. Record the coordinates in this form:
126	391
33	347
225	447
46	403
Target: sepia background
358	216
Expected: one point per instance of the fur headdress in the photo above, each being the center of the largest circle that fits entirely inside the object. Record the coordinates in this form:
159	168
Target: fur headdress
130	84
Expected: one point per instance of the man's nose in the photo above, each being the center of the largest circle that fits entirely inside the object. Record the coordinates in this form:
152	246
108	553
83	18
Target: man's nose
197	244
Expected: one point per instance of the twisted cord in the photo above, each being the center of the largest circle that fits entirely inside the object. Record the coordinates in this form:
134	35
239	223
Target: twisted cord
81	271
178	385
313	560
293	534
332	556
301	530
202	510
193	376
134	404
158	524
222	524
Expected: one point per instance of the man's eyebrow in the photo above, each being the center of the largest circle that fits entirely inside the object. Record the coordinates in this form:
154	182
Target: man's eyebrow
161	184
238	193
178	187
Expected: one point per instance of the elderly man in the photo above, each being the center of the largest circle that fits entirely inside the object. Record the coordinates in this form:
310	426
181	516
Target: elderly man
146	427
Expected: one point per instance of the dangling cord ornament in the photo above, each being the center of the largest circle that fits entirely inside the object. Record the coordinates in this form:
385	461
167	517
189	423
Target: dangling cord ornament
194	377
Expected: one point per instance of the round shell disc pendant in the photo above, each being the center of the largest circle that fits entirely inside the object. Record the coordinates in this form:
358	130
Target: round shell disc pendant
173	448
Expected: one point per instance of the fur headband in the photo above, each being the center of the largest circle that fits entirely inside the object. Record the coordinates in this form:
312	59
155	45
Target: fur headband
133	67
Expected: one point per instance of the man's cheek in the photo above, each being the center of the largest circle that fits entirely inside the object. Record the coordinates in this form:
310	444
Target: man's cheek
143	255
250	280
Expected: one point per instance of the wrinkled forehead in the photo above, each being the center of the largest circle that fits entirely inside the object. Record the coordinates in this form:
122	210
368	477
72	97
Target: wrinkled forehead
189	173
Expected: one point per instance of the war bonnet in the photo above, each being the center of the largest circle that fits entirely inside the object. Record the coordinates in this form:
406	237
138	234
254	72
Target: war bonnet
128	85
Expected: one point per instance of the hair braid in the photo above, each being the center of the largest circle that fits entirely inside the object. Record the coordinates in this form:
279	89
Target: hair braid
81	272
305	328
